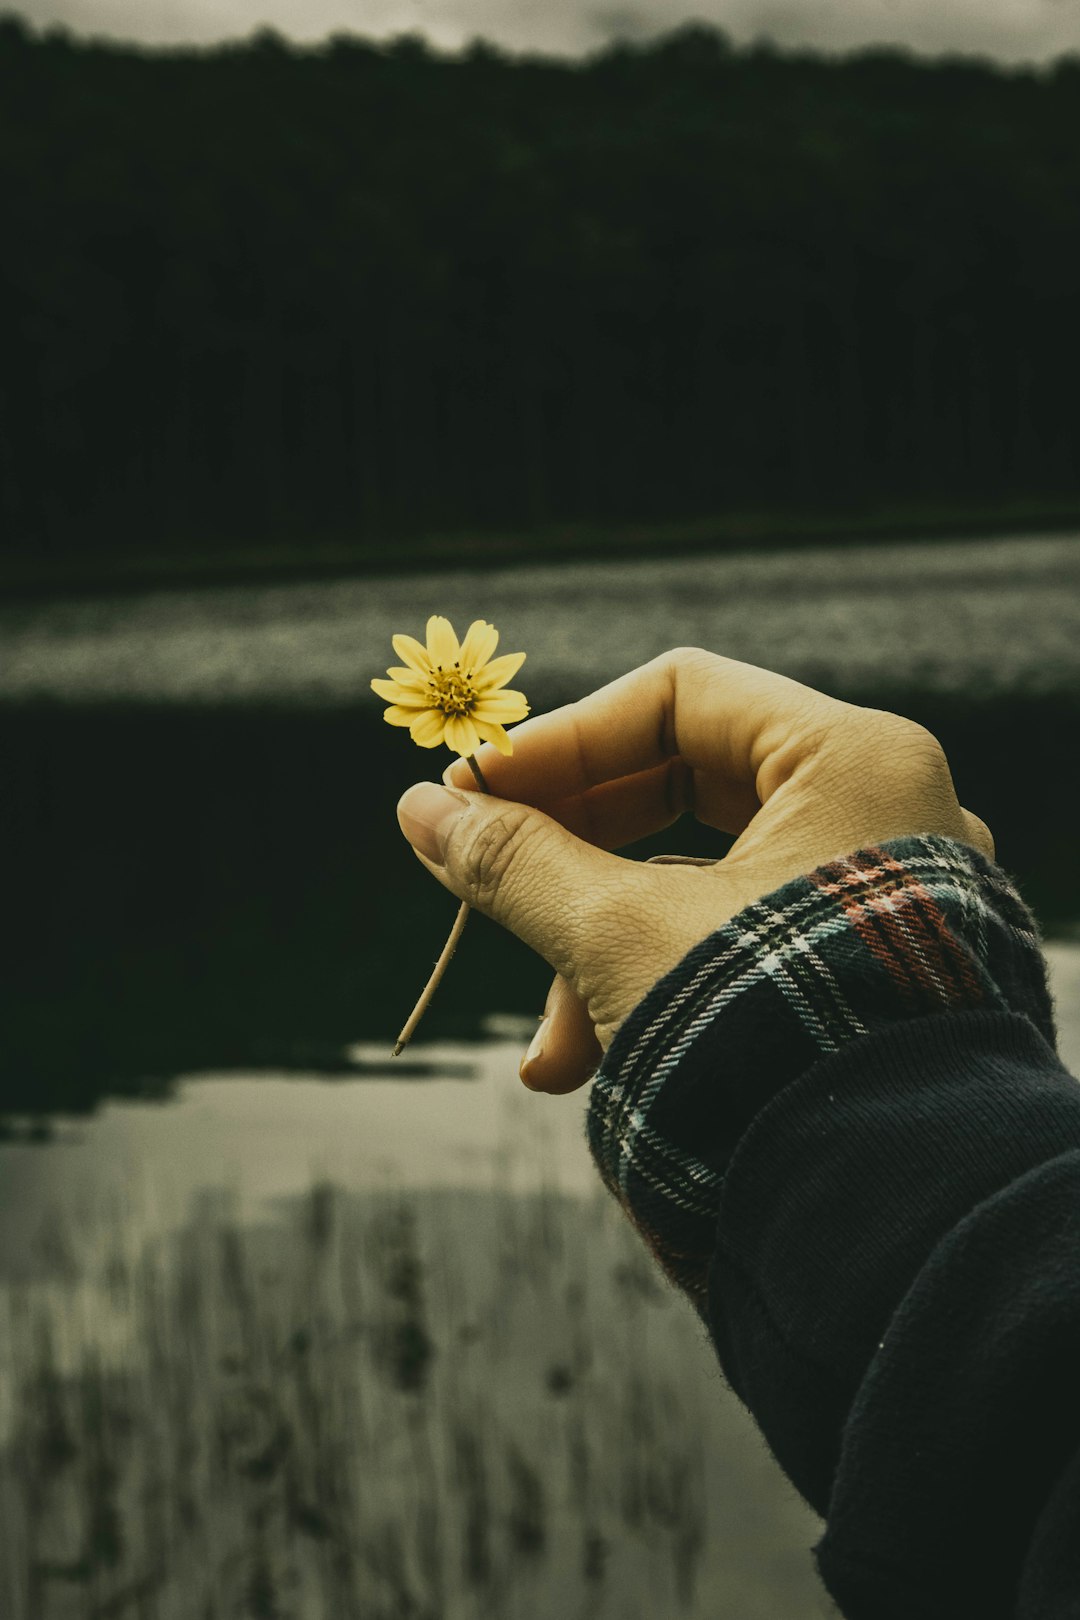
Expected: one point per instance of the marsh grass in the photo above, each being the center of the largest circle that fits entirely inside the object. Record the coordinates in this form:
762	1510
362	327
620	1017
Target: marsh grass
431	1406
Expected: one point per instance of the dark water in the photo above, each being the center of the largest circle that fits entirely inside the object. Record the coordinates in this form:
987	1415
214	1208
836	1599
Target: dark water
194	888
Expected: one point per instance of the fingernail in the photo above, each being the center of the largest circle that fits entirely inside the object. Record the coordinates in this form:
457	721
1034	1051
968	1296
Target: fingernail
424	814
536	1048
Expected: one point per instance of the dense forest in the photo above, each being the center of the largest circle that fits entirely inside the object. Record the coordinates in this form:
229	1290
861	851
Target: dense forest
368	291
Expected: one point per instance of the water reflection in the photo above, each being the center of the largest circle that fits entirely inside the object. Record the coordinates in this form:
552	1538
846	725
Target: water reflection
362	1349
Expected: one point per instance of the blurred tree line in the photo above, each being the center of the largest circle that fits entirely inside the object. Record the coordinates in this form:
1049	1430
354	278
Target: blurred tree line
370	291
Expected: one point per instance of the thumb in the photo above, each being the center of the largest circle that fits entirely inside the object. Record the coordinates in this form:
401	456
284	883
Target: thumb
515	864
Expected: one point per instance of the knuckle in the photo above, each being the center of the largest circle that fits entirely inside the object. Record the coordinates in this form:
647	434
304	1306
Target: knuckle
900	770
905	744
979	834
688	658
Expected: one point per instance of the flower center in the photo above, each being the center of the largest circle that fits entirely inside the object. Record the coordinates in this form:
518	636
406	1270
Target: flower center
451	690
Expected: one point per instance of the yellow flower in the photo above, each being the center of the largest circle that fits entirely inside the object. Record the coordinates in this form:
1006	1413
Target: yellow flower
453	693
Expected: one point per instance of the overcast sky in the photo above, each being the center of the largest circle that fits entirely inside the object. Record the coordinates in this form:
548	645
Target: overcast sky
1011	30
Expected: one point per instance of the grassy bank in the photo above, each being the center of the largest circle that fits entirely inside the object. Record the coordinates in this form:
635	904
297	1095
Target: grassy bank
330	556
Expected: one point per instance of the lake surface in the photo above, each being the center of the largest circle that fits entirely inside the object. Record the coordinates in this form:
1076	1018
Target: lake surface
299	1350
283	1336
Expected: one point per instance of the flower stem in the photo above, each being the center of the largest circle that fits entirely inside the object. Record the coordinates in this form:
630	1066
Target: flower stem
433	983
478	773
447	951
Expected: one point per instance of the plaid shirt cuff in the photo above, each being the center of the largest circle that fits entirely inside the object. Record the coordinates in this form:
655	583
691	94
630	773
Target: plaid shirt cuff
918	927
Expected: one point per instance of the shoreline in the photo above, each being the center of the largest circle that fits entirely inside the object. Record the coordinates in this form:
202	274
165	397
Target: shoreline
752	531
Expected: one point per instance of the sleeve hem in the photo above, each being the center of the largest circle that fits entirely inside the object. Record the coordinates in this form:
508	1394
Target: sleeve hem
918	927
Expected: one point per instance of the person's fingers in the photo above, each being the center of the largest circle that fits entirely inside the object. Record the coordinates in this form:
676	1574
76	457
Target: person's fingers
610	926
565	1051
615	814
745	724
801	778
618	813
517	865
698	729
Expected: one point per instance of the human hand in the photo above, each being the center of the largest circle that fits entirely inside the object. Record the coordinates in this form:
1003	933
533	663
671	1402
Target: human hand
798	777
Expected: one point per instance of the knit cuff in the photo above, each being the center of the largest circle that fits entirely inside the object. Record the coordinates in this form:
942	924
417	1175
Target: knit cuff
916	927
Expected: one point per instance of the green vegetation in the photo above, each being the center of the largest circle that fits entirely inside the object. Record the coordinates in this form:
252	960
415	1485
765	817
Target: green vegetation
284	308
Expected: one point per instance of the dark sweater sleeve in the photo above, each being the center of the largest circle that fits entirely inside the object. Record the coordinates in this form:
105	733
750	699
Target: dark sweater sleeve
841	1126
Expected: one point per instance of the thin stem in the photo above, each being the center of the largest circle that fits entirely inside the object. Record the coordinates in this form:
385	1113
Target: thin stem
478	773
433	983
447	951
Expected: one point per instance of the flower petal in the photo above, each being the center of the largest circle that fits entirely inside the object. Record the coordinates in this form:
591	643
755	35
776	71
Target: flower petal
399	717
461	735
442	644
391	692
413	653
490	733
428	728
481	640
407	677
500	707
499	671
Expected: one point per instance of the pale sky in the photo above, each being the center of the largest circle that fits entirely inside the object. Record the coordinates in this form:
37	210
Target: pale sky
1010	30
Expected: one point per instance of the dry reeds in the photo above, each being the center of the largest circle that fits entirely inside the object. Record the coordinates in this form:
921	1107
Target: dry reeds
436	1406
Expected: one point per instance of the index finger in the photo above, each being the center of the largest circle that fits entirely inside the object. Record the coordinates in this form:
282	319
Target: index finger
716	714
